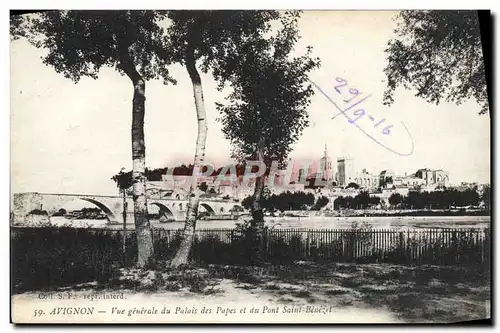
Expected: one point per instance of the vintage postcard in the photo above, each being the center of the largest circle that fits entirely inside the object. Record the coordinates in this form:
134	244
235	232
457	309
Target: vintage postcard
249	167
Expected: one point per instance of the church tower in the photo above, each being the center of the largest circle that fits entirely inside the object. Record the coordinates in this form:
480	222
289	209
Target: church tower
326	165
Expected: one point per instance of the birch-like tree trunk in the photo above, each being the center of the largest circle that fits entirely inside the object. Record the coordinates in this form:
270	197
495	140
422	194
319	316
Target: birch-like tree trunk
142	226
182	255
258	212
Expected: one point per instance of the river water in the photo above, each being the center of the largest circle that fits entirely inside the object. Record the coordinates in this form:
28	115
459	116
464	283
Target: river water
392	222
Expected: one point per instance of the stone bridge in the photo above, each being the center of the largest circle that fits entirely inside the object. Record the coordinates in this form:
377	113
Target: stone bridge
112	206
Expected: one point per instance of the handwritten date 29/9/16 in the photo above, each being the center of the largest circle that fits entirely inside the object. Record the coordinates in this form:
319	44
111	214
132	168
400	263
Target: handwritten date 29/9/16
352	97
342	88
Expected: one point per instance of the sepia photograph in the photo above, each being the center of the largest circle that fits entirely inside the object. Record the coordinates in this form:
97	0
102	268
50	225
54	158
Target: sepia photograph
250	167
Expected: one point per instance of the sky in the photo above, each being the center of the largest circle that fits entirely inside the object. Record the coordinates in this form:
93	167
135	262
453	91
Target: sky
72	138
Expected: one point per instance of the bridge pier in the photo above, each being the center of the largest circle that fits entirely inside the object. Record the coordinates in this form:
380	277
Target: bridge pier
23	204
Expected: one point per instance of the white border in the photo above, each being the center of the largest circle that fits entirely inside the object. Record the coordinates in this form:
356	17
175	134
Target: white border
256	4
185	4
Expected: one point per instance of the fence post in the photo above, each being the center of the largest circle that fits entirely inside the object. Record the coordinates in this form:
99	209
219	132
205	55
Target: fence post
308	245
408	248
485	248
269	242
401	251
455	249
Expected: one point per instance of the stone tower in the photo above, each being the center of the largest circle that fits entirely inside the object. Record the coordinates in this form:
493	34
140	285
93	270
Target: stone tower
326	165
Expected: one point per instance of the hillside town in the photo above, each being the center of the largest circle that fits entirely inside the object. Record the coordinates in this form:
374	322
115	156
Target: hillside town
320	178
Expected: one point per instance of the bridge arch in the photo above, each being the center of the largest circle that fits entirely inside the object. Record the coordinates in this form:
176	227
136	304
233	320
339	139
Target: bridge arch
164	210
208	208
109	214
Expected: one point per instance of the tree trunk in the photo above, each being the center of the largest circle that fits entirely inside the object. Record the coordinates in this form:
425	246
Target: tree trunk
182	255
258	213
124	215
142	227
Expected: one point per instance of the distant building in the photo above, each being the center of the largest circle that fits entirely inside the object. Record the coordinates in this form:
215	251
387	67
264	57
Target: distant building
433	177
386	178
316	180
387	192
284	180
411	181
319	169
345	171
367	180
326	166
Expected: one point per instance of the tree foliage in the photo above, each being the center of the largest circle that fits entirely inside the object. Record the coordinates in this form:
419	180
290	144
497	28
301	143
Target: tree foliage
267	108
123	179
438	53
18	26
395	199
361	201
213	35
486	197
441	199
283	201
320	203
80	43
203	187
353	185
